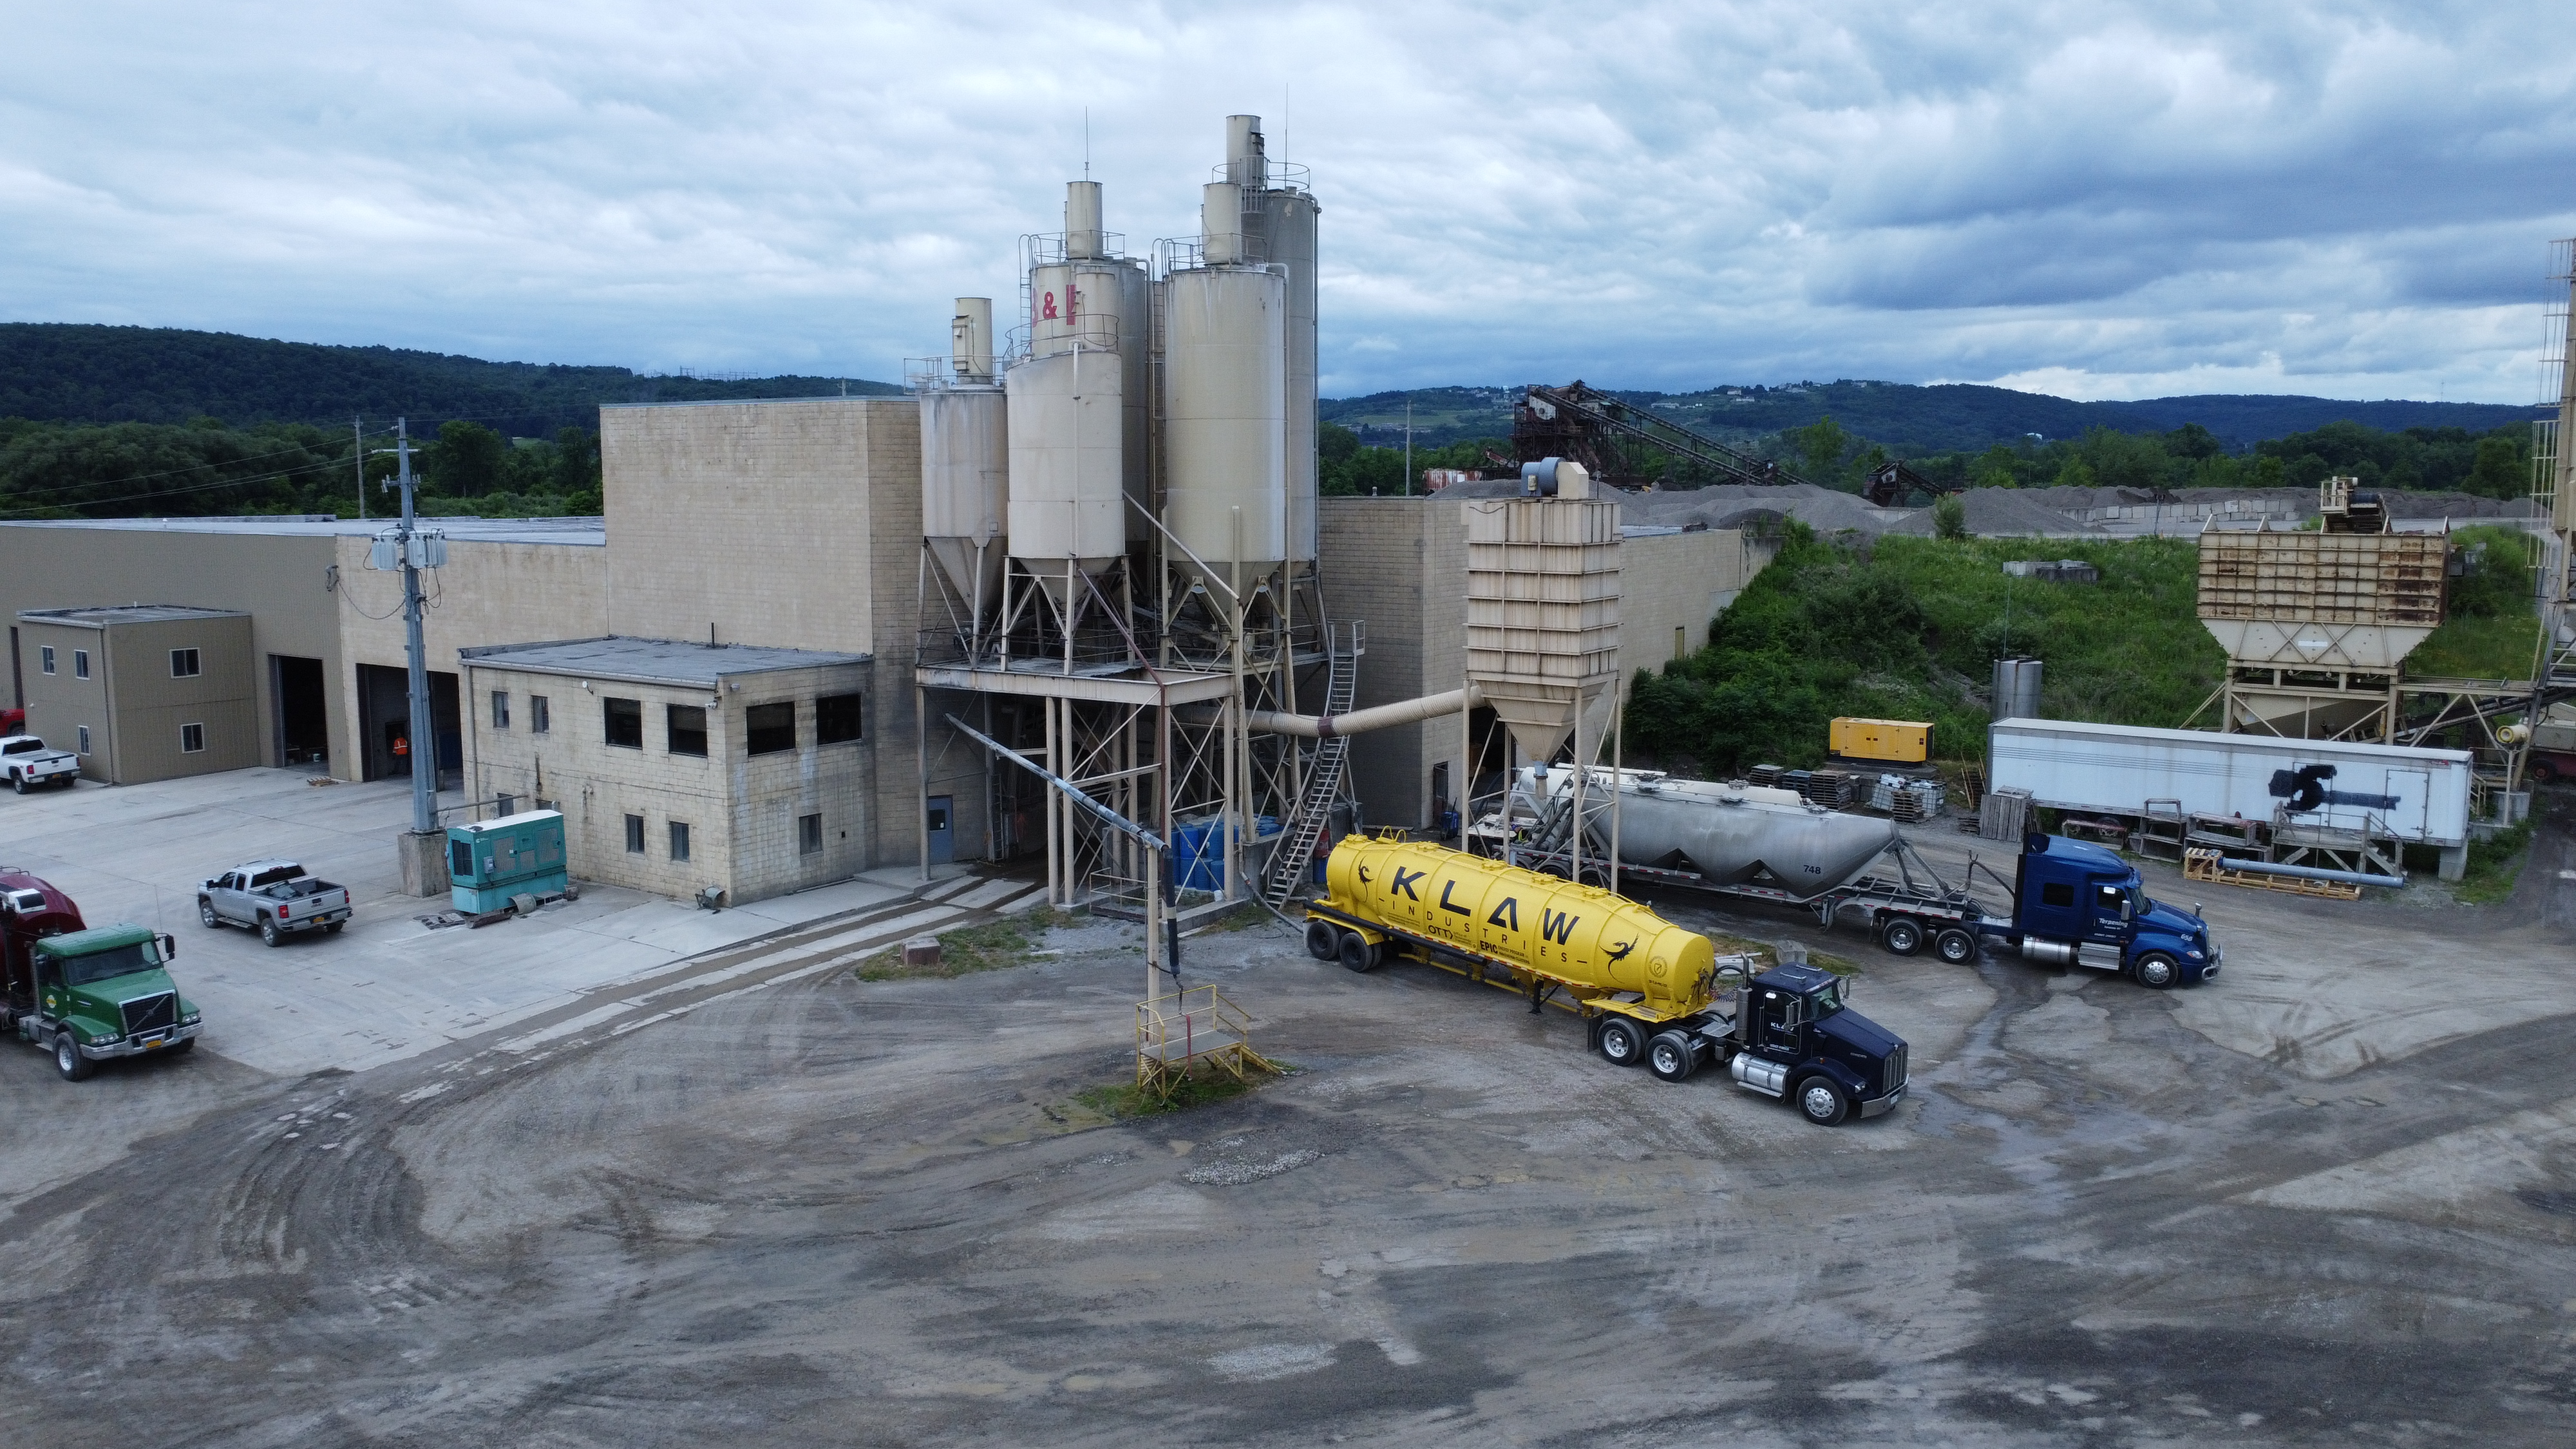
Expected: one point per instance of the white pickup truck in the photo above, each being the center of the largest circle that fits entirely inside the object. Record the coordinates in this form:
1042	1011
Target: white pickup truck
29	763
277	898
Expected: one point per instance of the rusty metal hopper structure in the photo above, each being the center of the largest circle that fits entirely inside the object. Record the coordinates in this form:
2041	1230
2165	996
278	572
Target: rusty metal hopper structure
2316	624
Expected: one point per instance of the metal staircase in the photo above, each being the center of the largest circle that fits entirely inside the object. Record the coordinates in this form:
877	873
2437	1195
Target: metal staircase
1288	865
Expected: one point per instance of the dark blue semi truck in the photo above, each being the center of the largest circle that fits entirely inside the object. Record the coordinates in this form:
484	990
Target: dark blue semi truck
2071	904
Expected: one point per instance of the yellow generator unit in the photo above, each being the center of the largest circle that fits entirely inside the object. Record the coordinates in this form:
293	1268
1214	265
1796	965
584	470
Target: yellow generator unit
1534	933
1890	741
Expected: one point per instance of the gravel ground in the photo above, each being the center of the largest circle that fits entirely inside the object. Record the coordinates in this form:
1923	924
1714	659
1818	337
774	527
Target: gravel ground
2328	1200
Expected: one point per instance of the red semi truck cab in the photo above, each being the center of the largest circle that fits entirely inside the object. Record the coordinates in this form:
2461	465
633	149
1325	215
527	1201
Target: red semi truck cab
30	910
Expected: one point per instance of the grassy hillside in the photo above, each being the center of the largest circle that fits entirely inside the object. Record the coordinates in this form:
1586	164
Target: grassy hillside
1909	628
75	373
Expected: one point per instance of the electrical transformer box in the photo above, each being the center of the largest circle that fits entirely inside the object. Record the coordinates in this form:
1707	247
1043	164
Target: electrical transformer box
1896	741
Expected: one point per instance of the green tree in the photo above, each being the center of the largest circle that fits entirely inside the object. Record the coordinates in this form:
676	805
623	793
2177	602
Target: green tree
1950	517
2076	473
467	461
2499	471
1822	443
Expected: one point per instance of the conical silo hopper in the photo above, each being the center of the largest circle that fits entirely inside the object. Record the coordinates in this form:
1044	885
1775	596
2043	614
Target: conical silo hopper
1066	492
1542	612
965	461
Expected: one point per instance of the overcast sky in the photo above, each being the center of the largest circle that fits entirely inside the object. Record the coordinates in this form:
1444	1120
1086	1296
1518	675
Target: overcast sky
2089	199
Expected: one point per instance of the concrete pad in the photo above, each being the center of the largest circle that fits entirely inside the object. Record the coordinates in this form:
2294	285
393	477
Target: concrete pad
387	987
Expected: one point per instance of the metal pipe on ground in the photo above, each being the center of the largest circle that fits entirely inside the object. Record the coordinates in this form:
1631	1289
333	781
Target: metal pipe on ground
2310	872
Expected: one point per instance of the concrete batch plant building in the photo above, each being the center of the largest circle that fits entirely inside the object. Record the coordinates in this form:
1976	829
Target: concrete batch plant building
1095	539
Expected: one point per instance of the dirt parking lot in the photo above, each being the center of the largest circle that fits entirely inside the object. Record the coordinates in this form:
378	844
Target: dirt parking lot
2330	1199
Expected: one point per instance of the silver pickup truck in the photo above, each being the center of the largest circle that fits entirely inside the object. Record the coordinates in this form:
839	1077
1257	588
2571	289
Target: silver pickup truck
276	898
29	763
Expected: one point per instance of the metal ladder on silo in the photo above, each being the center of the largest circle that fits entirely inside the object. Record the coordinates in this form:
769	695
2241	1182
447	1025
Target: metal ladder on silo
1323	783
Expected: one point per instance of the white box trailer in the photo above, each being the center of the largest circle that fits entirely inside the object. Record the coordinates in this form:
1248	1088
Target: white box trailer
2417	795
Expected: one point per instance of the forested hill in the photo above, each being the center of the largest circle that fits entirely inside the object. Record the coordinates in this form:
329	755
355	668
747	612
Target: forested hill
1910	420
59	372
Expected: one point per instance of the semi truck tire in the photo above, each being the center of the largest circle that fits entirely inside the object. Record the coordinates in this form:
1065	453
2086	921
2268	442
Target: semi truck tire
206	913
68	1060
268	935
1323	940
1955	946
1621	1043
1823	1103
1356	953
1902	935
1671	1056
2158	970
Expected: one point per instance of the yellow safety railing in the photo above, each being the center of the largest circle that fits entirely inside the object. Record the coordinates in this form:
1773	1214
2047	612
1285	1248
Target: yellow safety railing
1177	1032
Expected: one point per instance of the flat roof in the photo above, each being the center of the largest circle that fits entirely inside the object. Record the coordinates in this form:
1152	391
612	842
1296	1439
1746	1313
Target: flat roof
126	614
737	402
577	532
651	661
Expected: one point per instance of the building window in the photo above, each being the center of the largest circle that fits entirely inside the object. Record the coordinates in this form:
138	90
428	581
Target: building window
770	729
500	709
541	715
809	834
836	719
192	739
80	664
625	724
183	664
635	835
679	840
505	805
84	739
45	657
688	727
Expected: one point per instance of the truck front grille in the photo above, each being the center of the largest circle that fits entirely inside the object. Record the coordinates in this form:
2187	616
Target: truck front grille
1896	1068
150	1012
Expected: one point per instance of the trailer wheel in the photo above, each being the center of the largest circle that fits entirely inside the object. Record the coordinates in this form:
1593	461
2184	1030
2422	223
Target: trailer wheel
1323	940
69	1061
2158	970
1955	946
1671	1056
1823	1103
1902	935
1621	1043
1357	953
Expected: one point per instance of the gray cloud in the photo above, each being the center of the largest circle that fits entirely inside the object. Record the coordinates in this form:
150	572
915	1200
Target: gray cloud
2101	200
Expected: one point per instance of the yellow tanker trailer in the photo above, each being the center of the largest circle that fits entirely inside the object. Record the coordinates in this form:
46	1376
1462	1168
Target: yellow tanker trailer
1649	990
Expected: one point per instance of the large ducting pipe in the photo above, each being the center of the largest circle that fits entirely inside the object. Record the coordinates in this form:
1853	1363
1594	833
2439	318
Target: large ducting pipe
1221	223
970	340
2310	872
1082	237
1361	721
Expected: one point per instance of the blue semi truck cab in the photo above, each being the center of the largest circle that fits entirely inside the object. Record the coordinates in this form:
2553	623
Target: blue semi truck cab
2076	904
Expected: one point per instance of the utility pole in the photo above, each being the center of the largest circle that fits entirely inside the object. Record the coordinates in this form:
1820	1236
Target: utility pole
424	856
1408	445
358	455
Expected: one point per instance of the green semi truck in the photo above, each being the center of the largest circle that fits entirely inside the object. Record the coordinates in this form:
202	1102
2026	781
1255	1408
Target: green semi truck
86	995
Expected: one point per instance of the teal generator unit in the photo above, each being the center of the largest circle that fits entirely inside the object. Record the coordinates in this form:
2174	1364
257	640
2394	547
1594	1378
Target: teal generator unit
517	855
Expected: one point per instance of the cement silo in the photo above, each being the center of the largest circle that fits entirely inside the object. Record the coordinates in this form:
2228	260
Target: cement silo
965	463
1066	492
1278	230
1100	302
1224	418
